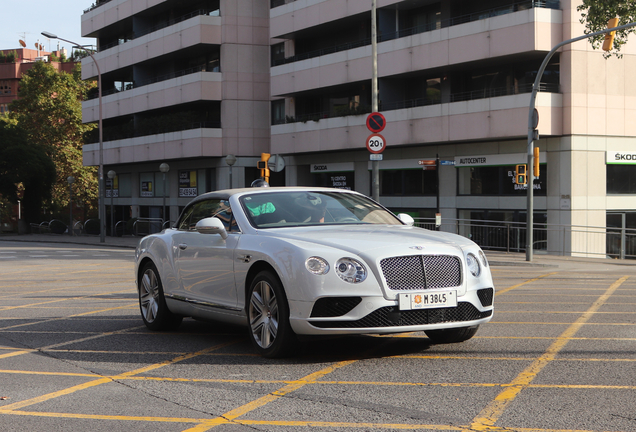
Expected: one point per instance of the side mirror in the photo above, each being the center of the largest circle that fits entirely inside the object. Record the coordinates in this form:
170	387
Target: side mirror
211	225
406	219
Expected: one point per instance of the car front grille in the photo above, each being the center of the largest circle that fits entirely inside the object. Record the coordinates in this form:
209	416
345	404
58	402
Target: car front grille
418	272
391	316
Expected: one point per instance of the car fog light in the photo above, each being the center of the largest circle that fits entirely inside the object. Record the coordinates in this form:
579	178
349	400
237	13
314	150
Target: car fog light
473	264
317	265
350	270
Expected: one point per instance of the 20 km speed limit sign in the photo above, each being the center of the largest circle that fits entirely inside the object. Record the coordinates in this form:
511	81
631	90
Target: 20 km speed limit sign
376	143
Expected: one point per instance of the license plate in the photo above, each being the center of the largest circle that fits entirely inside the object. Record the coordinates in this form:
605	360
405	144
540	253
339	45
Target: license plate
420	300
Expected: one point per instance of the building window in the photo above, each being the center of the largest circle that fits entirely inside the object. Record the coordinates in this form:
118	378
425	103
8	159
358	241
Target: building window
496	180
278	111
408	182
5	87
125	185
621	179
278	54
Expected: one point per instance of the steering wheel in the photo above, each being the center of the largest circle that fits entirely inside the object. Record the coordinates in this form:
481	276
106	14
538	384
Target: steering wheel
348	219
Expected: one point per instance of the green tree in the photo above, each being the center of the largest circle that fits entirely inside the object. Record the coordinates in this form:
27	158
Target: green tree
26	166
596	13
49	109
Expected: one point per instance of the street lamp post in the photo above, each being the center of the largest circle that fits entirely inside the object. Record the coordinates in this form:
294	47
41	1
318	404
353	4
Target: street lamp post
230	160
111	176
164	168
102	208
70	181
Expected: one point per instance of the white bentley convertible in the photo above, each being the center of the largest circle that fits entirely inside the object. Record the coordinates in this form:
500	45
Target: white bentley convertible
310	261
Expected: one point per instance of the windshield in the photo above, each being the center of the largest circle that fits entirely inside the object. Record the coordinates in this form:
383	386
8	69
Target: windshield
285	209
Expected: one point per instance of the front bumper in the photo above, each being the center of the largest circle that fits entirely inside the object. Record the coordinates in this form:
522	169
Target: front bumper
378	315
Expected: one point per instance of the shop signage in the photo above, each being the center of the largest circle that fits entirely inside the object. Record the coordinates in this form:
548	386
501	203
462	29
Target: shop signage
620	158
146	189
495	160
316	168
188	184
112	188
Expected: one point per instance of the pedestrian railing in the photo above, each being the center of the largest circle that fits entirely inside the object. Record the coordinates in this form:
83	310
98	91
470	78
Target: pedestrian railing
568	240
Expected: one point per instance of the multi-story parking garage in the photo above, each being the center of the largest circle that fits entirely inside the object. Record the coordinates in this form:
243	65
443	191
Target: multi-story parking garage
190	84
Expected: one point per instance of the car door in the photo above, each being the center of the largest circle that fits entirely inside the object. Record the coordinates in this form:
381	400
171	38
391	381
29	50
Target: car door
205	262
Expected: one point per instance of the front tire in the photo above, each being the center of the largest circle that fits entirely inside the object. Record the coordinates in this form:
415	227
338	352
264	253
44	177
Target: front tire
268	316
453	335
152	302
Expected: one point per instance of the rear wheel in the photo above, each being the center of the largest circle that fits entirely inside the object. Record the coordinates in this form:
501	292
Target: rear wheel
268	315
152	302
453	335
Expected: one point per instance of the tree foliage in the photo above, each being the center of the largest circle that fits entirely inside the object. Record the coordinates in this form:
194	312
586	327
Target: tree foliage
24	167
49	110
596	13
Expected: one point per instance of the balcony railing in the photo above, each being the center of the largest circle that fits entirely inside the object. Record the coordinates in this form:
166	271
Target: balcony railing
488	13
126	132
153	80
412	103
96	5
138	34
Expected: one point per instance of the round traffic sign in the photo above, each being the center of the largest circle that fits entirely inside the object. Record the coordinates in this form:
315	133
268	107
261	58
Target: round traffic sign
376	143
376	122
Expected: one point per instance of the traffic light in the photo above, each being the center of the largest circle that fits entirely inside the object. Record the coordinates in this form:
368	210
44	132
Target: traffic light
262	165
520	175
536	162
608	43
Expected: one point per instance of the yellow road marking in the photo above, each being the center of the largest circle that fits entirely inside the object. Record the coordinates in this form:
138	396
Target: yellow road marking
65	299
486	419
15	353
104	380
231	415
505	290
65	317
101	417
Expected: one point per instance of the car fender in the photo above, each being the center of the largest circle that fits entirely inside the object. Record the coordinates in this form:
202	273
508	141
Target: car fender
155	249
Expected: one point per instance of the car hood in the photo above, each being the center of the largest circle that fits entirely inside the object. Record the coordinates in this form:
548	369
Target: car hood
376	240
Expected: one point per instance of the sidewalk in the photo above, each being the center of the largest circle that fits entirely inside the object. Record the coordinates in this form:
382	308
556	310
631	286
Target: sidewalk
495	258
121	242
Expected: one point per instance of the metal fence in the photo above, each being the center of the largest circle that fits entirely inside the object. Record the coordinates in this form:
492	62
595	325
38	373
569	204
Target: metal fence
566	240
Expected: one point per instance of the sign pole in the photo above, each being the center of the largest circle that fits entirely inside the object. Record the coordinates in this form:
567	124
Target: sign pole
375	164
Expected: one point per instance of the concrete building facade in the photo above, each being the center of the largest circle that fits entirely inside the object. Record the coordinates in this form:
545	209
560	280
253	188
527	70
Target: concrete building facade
293	78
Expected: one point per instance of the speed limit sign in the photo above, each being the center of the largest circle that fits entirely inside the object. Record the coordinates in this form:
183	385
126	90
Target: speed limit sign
376	143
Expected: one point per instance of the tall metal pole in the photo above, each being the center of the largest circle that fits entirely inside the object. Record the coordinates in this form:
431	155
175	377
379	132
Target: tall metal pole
533	98
101	206
70	181
163	211
375	164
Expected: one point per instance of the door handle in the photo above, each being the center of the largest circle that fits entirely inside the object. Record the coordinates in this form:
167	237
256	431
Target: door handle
183	246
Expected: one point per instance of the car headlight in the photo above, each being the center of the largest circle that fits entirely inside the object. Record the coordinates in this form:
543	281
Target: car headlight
482	255
317	265
350	270
473	264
